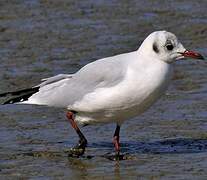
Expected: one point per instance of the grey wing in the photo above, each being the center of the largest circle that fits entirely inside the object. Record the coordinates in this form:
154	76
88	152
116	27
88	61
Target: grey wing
69	89
54	79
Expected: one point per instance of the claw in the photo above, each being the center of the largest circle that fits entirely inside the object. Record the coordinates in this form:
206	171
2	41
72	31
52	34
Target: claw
115	157
76	152
79	149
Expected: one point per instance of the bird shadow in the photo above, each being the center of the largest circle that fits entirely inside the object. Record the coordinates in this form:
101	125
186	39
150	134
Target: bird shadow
129	149
179	146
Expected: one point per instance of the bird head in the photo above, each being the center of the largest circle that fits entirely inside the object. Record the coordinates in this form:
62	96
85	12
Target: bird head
166	47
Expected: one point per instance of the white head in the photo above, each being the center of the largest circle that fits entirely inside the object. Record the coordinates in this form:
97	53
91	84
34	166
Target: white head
164	46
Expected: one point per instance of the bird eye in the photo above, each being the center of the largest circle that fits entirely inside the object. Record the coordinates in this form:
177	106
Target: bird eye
169	47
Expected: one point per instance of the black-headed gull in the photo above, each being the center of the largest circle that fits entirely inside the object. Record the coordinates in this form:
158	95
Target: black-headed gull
112	89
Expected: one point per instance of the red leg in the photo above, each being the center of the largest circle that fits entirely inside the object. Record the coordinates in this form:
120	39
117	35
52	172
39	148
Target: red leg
116	140
79	149
117	155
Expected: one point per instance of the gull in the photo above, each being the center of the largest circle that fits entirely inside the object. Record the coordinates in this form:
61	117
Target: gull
112	89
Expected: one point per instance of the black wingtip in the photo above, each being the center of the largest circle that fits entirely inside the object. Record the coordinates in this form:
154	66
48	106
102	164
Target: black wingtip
22	95
19	92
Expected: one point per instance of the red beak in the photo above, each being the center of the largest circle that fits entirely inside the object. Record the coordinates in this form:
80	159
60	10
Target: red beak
192	54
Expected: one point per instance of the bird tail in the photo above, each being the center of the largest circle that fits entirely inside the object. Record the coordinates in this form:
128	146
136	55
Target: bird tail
19	96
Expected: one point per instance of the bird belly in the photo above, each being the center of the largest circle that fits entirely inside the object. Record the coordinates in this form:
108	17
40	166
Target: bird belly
124	101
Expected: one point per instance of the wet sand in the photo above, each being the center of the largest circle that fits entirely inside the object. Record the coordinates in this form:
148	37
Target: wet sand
41	38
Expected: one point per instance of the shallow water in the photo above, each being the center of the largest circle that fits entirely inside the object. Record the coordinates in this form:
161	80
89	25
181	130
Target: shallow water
40	38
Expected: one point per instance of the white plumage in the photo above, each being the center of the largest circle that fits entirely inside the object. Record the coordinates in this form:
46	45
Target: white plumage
116	88
111	89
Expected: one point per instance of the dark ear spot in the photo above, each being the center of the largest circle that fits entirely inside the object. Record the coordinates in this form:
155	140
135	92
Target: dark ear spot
155	48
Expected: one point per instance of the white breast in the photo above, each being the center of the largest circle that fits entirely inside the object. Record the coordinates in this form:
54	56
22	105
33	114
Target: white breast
142	86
